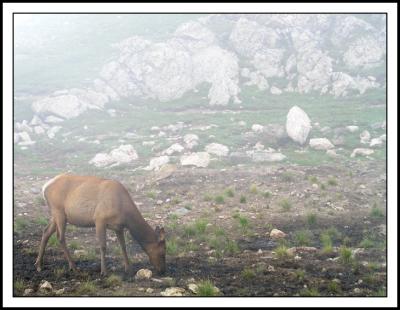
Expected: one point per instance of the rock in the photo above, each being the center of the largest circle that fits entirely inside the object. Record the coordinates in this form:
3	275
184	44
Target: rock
173	291
51	119
362	152
352	128
181	211
60	291
149	290
157	162
24	126
51	133
45	286
298	125
242	123
143	274
122	155
266	156
332	153
39	130
193	288
28	291
277	234
338	140
257	128
199	159
259	146
148	143
357	290
217	149
191	140
80	253
365	136
275	90
270	268
174	148
321	144
301	249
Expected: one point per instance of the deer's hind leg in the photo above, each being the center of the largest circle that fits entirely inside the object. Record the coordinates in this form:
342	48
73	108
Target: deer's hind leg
48	231
61	224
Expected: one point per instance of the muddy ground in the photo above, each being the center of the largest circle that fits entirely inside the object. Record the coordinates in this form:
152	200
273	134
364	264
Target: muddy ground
226	240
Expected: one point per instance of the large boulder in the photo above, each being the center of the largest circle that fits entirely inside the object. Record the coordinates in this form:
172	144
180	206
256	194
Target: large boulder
199	159
217	149
122	155
321	144
265	156
298	125
157	162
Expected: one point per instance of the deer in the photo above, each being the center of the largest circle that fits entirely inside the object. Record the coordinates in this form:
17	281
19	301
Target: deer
89	201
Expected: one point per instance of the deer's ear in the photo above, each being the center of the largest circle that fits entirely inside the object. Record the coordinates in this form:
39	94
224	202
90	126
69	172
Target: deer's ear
161	234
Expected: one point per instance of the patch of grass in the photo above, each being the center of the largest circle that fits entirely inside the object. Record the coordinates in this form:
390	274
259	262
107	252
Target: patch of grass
219	232
346	256
309	292
373	266
303	238
229	192
381	292
334	287
188	207
189	231
346	241
285	204
175	201
19	286
231	247
86	288
300	274
332	182
113	280
287	177
190	246
74	245
243	221
267	194
41	220
327	245
207	197
219	199
333	233
39	200
171	247
59	272
367	243
201	226
322	186
313	179
253	189
151	194
377	213
370	279
281	251
248	274
20	224
311	219
53	241
206	288
173	216
243	199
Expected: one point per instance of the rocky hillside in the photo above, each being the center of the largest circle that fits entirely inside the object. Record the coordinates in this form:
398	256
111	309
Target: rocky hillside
341	55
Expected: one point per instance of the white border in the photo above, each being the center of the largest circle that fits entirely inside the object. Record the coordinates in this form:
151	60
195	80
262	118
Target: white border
390	8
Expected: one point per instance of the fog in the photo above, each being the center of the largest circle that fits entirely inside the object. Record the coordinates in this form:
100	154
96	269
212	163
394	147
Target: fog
258	141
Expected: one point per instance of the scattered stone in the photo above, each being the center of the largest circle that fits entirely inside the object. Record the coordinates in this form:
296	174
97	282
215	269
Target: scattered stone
28	291
80	253
181	211
242	123
315	185
51	119
332	153
321	144
275	90
365	136
301	249
352	128
191	140
143	274
193	288
174	148
270	268
297	257
298	125
121	155
60	291
265	155
217	149
157	162
39	130
199	159
46	286
173	291
149	290
148	143
257	128
165	171
259	146
51	133
362	152
277	234
357	290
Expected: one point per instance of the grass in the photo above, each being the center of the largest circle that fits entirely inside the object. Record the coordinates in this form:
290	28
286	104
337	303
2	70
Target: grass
59	272
253	189
231	247
207	197
243	199
309	292
19	286
74	245
267	194
303	238
285	204
281	251
243	221
206	288
39	200
311	219
327	245
300	274
332	182
151	194
322	186
20	224
113	280
219	199
53	241
41	220
287	177
171	247
367	243
200	226
248	274
189	231
313	179
346	256
86	288
229	192
377	212
334	287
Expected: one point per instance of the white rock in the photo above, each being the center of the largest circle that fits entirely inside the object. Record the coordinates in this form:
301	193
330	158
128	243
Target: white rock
143	274
174	148
298	125
331	153
259	146
148	143
39	130
242	123
321	144
352	128
362	152
275	90
28	291
217	149
191	140
46	286
51	133
375	142
80	253
101	160
173	291
266	156
23	136
257	128
51	119
157	162
193	287
199	159
365	136
149	290
124	154
277	234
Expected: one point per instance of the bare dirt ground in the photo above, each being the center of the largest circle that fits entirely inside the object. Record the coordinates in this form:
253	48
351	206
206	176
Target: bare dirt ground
218	224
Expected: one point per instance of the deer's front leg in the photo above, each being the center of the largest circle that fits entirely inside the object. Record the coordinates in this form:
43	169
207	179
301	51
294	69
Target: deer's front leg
101	237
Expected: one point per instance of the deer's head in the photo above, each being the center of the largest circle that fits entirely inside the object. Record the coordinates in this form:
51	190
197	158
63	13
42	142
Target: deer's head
156	251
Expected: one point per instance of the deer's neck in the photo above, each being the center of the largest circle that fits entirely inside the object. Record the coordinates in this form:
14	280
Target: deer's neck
142	232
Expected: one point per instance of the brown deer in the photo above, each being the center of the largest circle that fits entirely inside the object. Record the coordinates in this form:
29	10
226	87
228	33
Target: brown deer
88	201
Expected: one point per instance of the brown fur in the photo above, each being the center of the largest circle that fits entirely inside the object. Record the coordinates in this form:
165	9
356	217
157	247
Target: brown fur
89	201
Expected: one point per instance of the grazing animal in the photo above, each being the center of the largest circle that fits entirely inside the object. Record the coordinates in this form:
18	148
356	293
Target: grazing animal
88	201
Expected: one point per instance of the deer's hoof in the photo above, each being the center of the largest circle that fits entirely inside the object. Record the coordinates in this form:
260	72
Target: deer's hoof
38	267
